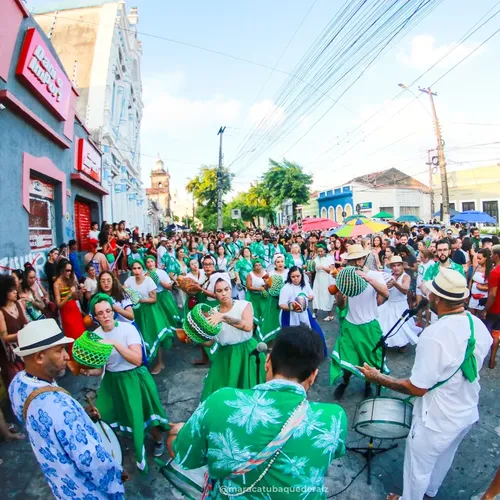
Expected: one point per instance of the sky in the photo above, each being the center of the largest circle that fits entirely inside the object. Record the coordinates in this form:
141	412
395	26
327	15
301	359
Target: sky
190	93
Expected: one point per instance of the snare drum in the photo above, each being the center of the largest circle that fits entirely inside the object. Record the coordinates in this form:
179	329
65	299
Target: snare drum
383	418
109	440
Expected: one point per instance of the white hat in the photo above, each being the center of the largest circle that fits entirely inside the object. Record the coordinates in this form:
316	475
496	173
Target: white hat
38	336
163	239
449	284
395	259
355	252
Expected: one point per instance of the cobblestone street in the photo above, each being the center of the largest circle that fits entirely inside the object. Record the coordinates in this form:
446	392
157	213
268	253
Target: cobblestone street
180	388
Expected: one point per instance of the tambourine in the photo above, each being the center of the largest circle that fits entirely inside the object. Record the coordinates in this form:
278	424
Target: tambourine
197	327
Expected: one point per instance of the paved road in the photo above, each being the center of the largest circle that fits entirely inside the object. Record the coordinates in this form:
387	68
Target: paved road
180	388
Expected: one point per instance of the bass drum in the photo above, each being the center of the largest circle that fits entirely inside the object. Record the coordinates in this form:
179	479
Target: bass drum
383	418
109	440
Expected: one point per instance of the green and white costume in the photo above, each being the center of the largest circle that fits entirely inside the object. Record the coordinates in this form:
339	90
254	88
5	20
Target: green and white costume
271	325
152	322
233	426
359	333
128	398
260	300
243	267
165	298
232	365
433	270
295	260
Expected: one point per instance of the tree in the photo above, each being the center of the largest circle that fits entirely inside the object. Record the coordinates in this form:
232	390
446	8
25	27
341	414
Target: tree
204	189
204	185
253	204
286	180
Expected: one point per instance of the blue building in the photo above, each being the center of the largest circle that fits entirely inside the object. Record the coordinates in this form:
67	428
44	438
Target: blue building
337	203
50	188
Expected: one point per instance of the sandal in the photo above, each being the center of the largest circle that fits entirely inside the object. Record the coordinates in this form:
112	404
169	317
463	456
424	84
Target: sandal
328	318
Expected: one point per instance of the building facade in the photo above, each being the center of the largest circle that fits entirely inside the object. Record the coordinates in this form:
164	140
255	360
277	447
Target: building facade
310	209
390	191
98	45
472	189
51	186
159	196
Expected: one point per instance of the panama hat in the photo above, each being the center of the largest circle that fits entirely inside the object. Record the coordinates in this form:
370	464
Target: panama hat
38	336
355	252
395	259
450	285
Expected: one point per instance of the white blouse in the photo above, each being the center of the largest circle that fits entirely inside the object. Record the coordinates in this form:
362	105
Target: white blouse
230	335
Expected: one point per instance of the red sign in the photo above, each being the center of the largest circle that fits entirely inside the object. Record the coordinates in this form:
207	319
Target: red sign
89	160
40	71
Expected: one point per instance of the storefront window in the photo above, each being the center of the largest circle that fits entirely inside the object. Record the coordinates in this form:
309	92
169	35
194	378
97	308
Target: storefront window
41	217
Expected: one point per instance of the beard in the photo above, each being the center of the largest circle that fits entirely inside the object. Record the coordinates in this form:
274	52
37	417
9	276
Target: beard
443	258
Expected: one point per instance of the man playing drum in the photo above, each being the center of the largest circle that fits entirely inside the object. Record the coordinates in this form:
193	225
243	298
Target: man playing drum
445	378
64	439
269	441
360	330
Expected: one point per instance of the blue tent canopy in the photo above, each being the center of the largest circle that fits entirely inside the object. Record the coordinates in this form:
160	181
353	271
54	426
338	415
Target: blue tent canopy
473	216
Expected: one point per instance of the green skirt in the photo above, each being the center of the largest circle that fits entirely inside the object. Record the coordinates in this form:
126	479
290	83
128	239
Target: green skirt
270	325
169	307
354	347
260	306
232	366
129	402
155	328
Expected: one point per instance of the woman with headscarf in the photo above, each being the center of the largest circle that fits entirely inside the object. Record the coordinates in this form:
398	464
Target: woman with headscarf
127	398
242	268
271	316
324	266
295	287
151	320
232	364
257	292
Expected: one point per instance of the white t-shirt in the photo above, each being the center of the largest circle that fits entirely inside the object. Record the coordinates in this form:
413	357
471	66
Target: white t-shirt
160	252
164	277
148	285
363	308
230	335
91	285
422	269
93	235
127	335
200	279
288	294
124	304
440	351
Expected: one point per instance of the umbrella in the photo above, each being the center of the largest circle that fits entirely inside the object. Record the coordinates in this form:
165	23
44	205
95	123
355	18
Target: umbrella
354	217
315	224
473	216
383	215
452	212
408	218
361	226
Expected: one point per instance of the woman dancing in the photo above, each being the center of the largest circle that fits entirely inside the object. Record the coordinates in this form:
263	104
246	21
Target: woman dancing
324	266
127	398
232	365
296	286
257	292
122	303
242	268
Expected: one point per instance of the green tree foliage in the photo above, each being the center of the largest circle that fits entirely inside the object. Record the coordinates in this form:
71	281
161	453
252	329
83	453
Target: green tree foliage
254	203
286	180
204	185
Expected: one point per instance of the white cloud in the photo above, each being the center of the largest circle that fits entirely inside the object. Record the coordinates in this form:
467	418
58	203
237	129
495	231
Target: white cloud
166	110
265	110
424	53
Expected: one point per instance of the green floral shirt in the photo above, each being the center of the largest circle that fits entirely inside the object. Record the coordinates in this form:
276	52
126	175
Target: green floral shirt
433	270
232	426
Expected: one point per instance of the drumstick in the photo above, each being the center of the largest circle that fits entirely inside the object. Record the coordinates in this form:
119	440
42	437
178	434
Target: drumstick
98	420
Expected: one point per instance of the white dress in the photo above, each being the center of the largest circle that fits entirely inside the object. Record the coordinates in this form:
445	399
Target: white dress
477	279
322	298
230	335
390	312
288	294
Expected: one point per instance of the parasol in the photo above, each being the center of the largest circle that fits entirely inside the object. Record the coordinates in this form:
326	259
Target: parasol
361	226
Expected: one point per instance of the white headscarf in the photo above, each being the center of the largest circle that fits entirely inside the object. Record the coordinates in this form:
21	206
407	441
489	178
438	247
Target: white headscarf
276	255
216	277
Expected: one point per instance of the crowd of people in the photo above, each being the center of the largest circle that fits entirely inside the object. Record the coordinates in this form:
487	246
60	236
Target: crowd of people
253	426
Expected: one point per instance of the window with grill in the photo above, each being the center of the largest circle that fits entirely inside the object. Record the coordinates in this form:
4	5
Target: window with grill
468	205
409	211
491	208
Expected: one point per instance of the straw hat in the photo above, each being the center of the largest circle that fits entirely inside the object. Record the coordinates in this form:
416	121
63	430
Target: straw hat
355	252
395	259
38	336
450	285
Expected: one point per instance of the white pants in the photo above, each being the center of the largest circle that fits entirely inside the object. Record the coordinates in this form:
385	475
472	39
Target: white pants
428	457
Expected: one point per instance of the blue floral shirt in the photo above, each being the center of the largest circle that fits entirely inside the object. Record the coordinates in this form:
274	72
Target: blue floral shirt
66	444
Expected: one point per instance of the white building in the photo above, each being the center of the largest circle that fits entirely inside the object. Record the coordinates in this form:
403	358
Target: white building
97	43
389	191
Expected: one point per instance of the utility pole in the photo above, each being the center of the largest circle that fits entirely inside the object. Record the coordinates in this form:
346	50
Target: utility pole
431	168
445	195
219	181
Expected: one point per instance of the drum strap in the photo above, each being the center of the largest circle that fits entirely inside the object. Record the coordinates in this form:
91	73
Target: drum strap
36	393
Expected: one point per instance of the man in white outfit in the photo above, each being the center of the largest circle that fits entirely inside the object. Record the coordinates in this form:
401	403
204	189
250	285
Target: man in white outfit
445	378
